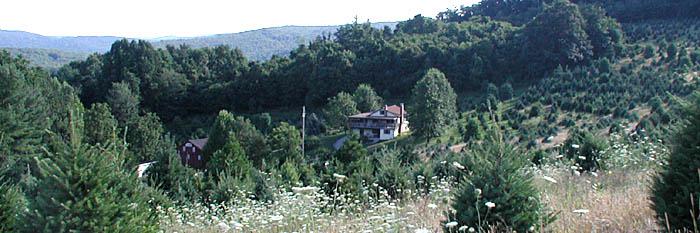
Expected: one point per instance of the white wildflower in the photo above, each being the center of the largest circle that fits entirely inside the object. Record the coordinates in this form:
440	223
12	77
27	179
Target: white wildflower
581	211
478	192
471	229
490	204
275	218
451	224
303	190
223	227
422	230
575	146
463	228
339	177
457	165
550	179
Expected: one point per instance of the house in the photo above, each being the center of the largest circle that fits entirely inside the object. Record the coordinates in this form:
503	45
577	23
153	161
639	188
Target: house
379	125
191	152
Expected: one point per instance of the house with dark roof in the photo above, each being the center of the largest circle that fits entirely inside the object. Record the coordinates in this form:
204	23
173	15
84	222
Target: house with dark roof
191	152
382	124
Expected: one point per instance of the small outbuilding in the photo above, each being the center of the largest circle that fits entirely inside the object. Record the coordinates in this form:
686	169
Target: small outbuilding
191	152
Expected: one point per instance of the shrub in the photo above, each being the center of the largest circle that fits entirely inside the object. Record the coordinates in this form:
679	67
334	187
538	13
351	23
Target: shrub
11	206
499	191
87	189
584	149
678	184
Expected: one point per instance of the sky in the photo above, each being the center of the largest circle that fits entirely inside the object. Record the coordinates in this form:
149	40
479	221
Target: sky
159	18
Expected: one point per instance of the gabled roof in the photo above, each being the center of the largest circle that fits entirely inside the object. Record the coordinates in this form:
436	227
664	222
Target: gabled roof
199	143
394	109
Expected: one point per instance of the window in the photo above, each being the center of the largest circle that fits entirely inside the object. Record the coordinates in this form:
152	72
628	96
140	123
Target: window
199	157
193	150
188	157
387	131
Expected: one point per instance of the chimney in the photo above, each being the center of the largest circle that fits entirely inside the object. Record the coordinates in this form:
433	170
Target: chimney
401	119
386	109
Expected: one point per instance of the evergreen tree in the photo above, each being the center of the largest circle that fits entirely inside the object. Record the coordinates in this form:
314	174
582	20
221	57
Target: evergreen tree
251	139
86	188
584	149
506	91
124	103
144	135
285	143
231	159
100	125
338	109
472	130
499	191
434	106
676	189
366	98
352	150
12	206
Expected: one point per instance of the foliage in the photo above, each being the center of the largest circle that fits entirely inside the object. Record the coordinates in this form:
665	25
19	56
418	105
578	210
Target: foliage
585	150
100	125
472	130
678	182
231	160
366	98
285	143
555	37
433	108
86	188
498	191
12	206
338	109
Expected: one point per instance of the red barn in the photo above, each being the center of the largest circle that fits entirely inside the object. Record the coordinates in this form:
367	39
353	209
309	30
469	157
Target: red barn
191	152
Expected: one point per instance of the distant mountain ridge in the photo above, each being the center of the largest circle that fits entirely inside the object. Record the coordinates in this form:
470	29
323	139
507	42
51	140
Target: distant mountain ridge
28	40
260	44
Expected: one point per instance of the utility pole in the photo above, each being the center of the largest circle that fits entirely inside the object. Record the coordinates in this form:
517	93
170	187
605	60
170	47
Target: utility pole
303	130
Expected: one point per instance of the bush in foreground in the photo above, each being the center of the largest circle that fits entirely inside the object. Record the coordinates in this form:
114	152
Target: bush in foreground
676	189
498	192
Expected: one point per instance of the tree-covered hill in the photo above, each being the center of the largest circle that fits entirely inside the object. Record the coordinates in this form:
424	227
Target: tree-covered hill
86	44
257	45
261	44
51	59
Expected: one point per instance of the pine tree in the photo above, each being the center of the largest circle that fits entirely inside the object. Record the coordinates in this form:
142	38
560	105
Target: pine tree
351	151
676	189
230	159
285	143
498	191
124	103
87	189
12	205
100	125
434	107
472	130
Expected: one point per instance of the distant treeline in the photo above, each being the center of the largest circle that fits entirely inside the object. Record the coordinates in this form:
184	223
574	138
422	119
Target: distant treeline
522	11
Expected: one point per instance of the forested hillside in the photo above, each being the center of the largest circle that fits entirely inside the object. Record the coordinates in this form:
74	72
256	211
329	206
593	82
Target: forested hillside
262	44
257	45
527	116
51	59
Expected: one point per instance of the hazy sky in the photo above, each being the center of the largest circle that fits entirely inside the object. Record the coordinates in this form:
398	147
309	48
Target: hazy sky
157	18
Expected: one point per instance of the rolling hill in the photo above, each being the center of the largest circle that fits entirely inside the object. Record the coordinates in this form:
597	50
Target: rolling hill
52	52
